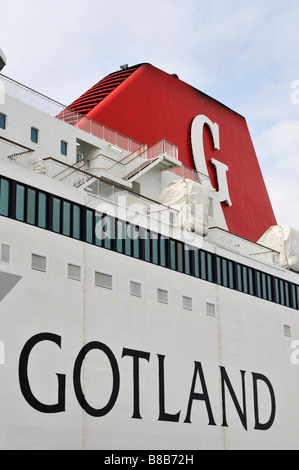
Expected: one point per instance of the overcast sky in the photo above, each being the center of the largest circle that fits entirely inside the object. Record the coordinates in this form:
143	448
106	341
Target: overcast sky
244	53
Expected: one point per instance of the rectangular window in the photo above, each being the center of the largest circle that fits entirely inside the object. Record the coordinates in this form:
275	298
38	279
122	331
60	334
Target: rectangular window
136	245
163	251
147	245
120	235
218	270
76	221
34	135
31	205
282	293
196	263
4	196
172	254
250	281
294	296
103	280
107	231
56	214
269	287
187	258
66	220
89	226
63	148
74	272
245	279
162	296
187	302
264	286
38	263
297	289
276	290
231	278
258	284
224	273
128	240
2	121
239	277
287	293
42	210
135	289
20	202
155	247
99	229
209	265
203	270
180	258
5	253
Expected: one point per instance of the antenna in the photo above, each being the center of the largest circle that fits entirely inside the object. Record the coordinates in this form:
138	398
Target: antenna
124	66
2	59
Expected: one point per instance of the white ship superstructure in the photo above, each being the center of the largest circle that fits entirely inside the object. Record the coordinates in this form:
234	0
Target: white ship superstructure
131	316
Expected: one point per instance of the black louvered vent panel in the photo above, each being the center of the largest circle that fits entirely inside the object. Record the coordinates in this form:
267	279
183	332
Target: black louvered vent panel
95	94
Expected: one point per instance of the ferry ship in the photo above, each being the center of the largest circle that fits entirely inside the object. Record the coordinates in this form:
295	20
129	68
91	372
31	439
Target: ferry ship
148	297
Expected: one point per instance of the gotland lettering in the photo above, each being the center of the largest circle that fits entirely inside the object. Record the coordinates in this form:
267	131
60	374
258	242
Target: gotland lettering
140	358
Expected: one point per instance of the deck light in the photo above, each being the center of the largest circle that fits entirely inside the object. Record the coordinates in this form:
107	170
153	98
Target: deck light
115	148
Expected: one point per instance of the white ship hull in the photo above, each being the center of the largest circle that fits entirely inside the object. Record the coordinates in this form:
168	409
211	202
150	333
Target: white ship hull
60	315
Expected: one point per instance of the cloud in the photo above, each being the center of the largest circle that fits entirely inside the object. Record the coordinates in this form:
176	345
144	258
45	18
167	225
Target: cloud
242	53
218	46
279	147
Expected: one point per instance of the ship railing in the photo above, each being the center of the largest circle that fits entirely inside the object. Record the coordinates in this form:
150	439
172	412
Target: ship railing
120	168
111	192
17	154
49	106
72	175
244	246
132	164
129	166
186	172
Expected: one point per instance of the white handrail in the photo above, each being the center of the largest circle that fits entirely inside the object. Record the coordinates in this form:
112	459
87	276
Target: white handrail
54	108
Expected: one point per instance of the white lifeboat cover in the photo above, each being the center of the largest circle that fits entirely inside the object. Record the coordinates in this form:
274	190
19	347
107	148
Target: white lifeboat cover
192	200
285	240
38	165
